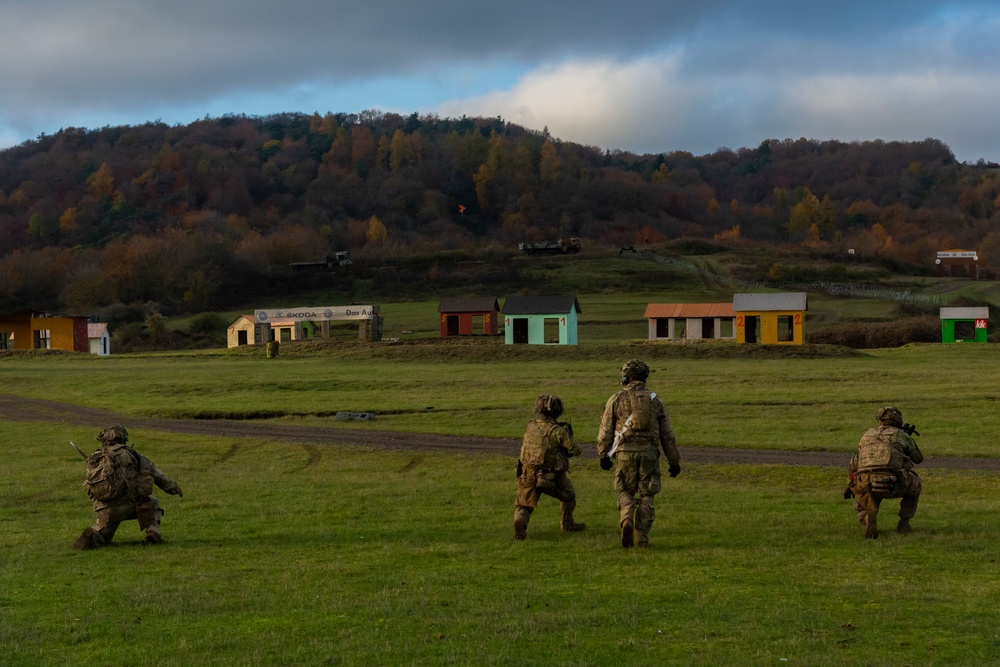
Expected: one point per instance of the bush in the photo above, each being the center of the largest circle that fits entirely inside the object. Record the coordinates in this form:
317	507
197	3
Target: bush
924	329
207	324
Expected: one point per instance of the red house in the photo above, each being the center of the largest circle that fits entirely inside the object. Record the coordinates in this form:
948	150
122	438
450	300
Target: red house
469	317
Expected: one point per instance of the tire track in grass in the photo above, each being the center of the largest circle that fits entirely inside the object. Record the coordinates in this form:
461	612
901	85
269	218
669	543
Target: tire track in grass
19	409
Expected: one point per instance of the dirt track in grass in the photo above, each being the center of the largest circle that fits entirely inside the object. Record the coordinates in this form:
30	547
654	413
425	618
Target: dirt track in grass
15	408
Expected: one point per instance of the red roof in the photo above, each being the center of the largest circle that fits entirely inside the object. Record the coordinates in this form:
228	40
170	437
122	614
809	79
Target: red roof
686	310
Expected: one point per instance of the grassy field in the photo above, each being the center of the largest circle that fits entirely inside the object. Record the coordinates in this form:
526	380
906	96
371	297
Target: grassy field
282	554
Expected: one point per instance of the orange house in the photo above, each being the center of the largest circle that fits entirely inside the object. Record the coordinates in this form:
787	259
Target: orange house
35	330
467	317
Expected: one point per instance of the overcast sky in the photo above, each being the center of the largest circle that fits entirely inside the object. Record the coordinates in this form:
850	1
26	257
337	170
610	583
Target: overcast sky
645	76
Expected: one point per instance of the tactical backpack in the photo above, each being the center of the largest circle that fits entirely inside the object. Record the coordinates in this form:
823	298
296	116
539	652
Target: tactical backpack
875	451
108	475
534	447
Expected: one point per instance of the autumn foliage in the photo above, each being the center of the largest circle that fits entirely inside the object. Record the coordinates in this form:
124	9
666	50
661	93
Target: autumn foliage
198	217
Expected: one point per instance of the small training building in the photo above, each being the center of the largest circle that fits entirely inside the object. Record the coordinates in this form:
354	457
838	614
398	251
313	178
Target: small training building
541	320
293	324
240	331
678	321
36	330
964	325
99	338
770	319
469	316
957	264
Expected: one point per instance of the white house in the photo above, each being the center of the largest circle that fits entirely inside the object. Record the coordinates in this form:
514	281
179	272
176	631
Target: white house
99	338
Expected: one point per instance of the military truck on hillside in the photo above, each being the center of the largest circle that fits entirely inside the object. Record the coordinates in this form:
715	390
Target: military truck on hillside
332	261
560	247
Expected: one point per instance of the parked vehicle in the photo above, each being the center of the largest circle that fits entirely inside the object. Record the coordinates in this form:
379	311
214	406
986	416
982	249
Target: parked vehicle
560	247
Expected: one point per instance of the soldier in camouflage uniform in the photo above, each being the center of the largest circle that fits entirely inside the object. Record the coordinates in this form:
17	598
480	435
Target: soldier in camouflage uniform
543	467
134	503
634	429
882	467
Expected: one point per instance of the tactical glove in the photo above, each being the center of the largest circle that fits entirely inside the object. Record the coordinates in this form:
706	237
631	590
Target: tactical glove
607	463
568	427
848	494
675	470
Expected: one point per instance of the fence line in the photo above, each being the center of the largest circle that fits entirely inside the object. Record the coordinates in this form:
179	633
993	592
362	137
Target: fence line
856	290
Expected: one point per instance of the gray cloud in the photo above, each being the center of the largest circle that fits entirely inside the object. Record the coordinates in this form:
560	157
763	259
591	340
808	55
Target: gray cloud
722	71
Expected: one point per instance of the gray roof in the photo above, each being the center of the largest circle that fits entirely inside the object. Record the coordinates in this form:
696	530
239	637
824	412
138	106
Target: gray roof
970	313
476	304
770	301
540	305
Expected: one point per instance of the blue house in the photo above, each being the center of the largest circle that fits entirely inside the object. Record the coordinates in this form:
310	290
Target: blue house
541	320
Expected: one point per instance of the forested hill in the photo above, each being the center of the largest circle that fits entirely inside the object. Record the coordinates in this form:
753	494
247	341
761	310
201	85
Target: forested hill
185	215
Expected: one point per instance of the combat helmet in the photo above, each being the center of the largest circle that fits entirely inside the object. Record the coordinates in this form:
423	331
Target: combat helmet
113	433
634	369
549	405
890	416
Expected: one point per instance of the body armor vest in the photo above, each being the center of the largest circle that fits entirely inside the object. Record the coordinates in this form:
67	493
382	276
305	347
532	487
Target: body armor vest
876	451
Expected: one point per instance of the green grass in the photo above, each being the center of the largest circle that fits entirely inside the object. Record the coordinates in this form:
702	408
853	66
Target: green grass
286	554
280	554
719	395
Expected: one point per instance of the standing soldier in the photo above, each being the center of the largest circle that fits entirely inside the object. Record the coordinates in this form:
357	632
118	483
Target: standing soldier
634	428
882	467
120	481
543	467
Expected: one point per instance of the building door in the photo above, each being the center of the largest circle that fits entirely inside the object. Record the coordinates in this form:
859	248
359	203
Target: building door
708	327
752	327
452	325
520	330
241	337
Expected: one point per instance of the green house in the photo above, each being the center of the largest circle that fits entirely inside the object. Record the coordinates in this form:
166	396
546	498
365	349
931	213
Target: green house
964	325
541	320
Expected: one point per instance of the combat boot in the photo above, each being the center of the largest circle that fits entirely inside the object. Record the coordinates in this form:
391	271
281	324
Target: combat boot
628	533
85	541
153	537
904	526
642	541
568	525
521	524
871	526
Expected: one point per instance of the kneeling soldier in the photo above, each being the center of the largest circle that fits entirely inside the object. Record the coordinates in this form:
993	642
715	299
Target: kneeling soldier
882	467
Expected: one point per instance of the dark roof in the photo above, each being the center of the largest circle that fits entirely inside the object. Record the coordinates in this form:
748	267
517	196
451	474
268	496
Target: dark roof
540	305
476	304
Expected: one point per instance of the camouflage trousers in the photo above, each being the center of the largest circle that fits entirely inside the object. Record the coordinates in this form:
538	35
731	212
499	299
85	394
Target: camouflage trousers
146	510
870	489
637	481
534	482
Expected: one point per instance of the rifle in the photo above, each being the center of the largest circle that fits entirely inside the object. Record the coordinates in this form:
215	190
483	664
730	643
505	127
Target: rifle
910	429
78	449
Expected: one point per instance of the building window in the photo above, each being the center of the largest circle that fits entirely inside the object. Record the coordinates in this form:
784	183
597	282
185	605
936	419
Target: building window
965	330
786	330
726	328
551	330
41	339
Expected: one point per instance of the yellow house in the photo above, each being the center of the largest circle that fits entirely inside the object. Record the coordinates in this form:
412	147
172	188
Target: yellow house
770	319
35	330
